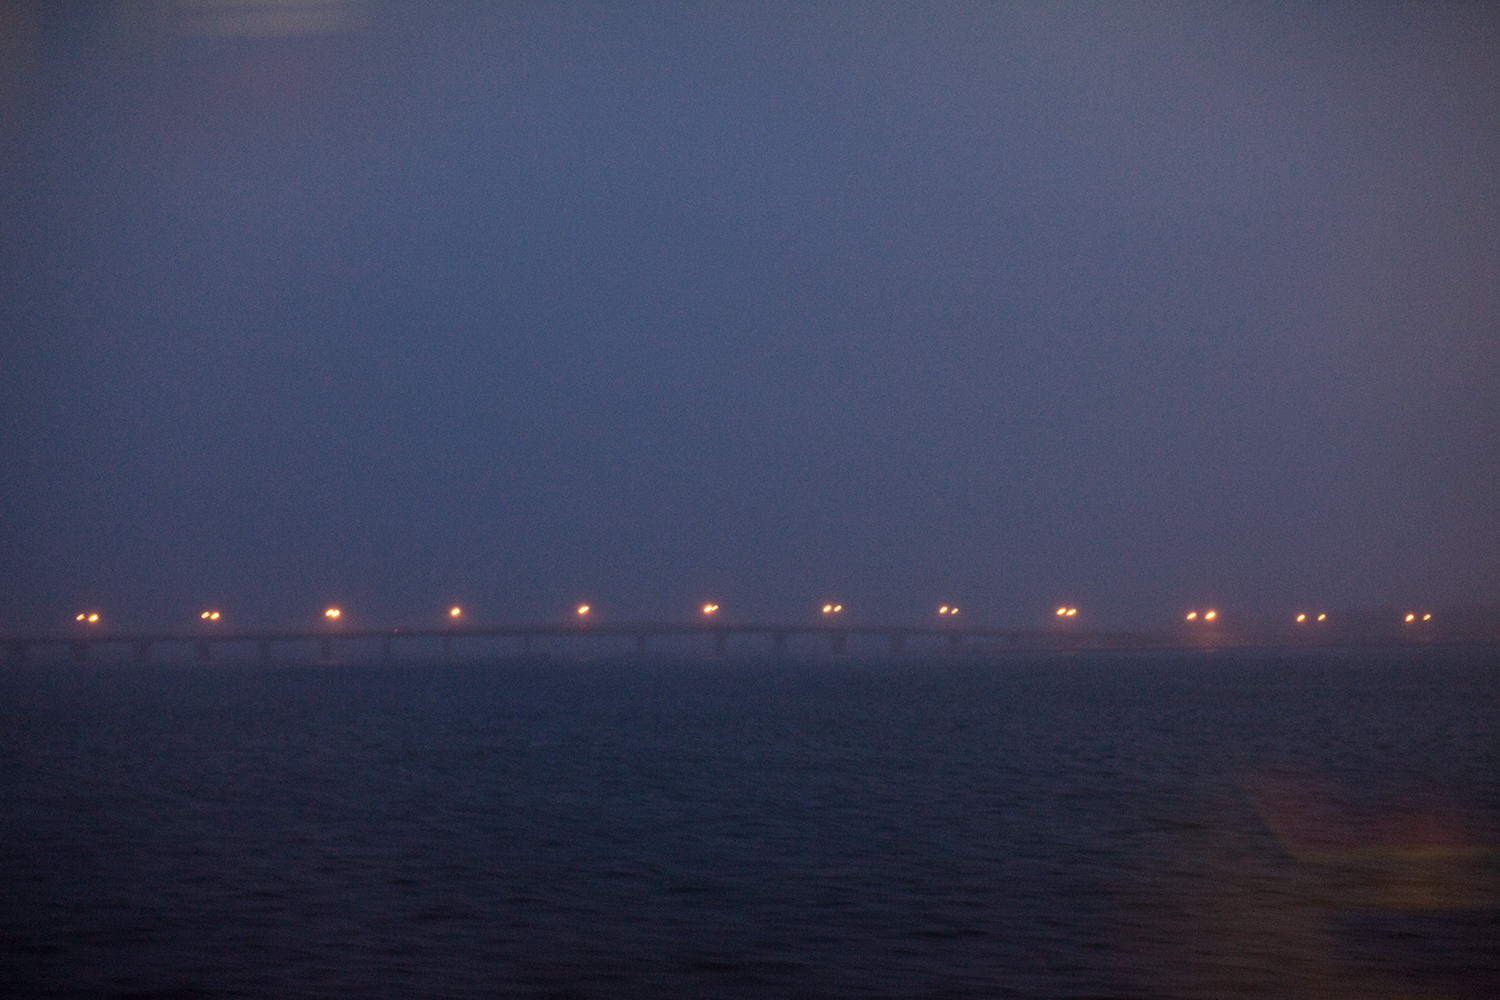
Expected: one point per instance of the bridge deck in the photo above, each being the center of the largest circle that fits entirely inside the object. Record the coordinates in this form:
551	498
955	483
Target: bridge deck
954	638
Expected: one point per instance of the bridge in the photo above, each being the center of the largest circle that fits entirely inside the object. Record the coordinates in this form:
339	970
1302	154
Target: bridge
896	640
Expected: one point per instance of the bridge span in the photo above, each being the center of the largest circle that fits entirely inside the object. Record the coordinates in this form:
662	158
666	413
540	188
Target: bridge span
832	639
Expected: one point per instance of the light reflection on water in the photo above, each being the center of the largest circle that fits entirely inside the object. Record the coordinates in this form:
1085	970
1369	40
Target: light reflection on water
1194	826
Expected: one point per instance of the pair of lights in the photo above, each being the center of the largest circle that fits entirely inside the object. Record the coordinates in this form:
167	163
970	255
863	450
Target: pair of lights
1066	612
332	613
210	616
1303	618
832	609
92	617
1412	618
709	609
1208	616
945	610
583	609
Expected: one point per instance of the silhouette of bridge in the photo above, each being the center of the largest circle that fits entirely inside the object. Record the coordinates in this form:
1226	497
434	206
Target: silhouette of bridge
896	640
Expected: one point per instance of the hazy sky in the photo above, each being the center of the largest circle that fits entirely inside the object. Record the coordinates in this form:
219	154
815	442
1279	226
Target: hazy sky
1129	306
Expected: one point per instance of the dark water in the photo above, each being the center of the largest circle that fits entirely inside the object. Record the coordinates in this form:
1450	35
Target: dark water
1100	826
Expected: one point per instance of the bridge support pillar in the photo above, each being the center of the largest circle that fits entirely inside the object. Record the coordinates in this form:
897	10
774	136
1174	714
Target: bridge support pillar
779	643
720	640
203	651
838	642
142	650
898	643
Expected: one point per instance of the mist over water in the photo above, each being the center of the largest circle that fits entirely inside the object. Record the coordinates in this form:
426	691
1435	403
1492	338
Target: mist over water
1195	825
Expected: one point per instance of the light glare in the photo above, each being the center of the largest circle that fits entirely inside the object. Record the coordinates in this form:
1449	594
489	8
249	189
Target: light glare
332	613
455	612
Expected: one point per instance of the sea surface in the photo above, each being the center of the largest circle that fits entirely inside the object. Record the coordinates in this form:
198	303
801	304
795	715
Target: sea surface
1100	825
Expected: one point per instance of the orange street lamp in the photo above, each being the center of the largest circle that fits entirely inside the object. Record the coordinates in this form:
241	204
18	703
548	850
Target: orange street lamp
709	609
210	616
332	613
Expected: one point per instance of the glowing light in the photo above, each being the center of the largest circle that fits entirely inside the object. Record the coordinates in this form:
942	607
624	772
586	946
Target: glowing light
1322	617
80	618
583	609
210	616
1302	618
95	617
709	609
1072	612
1209	616
1061	612
1427	618
332	613
832	609
455	612
946	610
1411	618
1191	615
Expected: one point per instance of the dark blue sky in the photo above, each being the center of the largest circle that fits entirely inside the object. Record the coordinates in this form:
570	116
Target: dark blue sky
1133	307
